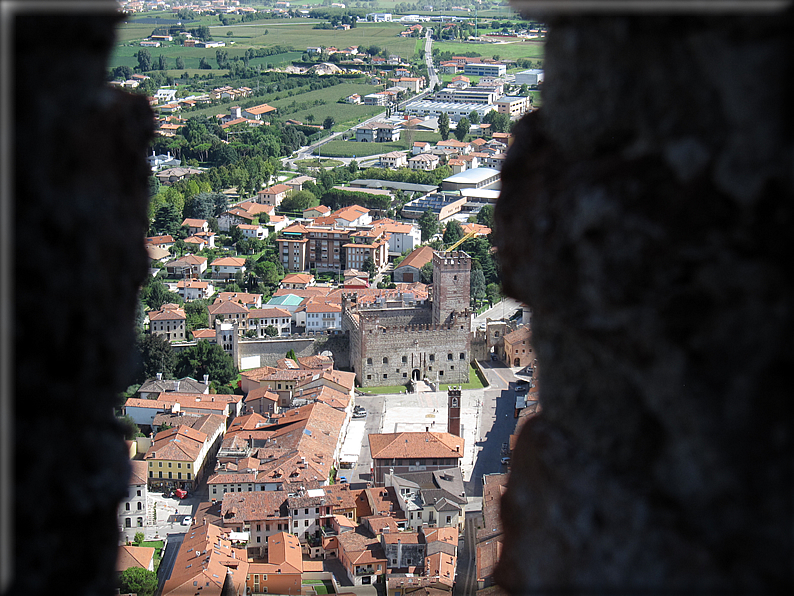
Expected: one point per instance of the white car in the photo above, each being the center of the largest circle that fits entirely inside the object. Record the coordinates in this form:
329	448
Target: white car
186	521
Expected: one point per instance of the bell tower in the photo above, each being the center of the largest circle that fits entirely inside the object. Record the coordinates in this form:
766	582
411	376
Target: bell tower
453	411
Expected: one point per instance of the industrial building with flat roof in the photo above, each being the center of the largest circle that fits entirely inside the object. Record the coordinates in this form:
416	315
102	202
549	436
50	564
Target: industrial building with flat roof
454	110
474	178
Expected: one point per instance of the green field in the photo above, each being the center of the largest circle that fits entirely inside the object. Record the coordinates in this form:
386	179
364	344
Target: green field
354	149
297	33
511	51
474	381
387	389
318	163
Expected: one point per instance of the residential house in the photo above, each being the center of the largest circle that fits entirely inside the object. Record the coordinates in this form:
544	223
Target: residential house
135	556
318	211
262	401
189	265
423	161
394	159
409	269
367	245
169	176
434	498
352	216
207	560
283	572
378	132
169	322
362	557
322	315
194	289
420	147
413	452
297	281
256	112
518	347
293	247
401	236
273	195
297	183
513	106
165	242
196	225
229	310
200	241
244	298
253	231
227	267
152	388
176	458
259	319
355	98
134	507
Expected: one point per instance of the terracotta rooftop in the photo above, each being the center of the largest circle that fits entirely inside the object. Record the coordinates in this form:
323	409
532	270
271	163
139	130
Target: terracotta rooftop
415	444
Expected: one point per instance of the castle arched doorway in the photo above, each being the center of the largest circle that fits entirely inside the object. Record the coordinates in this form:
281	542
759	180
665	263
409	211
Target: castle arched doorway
416	375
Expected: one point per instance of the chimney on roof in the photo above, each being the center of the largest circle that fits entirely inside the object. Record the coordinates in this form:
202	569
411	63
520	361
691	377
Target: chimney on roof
176	384
206	379
159	376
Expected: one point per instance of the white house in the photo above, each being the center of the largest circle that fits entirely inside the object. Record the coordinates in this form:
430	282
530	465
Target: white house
260	319
194	289
133	507
227	267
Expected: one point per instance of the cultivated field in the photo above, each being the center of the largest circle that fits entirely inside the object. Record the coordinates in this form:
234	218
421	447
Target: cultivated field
354	149
532	50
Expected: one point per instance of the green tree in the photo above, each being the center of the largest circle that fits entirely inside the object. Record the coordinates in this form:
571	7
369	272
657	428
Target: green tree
369	266
485	216
180	63
524	90
443	126
157	356
122	72
139	537
494	293
162	62
166	220
452	233
328	123
298	201
309	118
204	64
291	355
474	117
137	580
426	273
206	359
271	331
197	315
428	224
128	427
144	57
499	122
462	129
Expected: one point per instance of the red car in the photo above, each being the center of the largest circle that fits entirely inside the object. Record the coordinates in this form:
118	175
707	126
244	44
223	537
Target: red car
180	493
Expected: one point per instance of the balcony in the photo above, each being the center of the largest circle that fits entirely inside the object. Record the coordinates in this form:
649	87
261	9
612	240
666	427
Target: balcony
365	570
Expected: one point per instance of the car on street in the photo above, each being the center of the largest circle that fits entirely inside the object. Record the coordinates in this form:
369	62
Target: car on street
186	521
505	461
179	493
522	386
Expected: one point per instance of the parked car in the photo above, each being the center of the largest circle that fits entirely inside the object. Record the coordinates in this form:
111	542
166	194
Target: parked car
187	520
342	479
180	494
522	386
505	461
359	414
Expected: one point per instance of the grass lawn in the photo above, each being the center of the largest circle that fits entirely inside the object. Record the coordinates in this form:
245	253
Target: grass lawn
158	550
356	149
318	163
513	51
474	381
320	586
385	389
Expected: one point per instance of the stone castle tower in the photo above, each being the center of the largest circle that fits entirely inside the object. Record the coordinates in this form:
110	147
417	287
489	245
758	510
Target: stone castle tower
451	284
453	411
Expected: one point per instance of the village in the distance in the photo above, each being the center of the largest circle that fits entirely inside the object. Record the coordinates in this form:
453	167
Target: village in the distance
330	381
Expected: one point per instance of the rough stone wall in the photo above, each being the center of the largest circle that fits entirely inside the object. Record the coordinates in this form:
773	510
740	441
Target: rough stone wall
80	195
451	284
646	218
416	344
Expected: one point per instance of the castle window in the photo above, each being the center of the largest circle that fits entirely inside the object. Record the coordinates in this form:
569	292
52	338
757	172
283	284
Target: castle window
369	360
449	356
385	360
405	359
385	376
369	377
432	357
405	375
462	356
441	373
